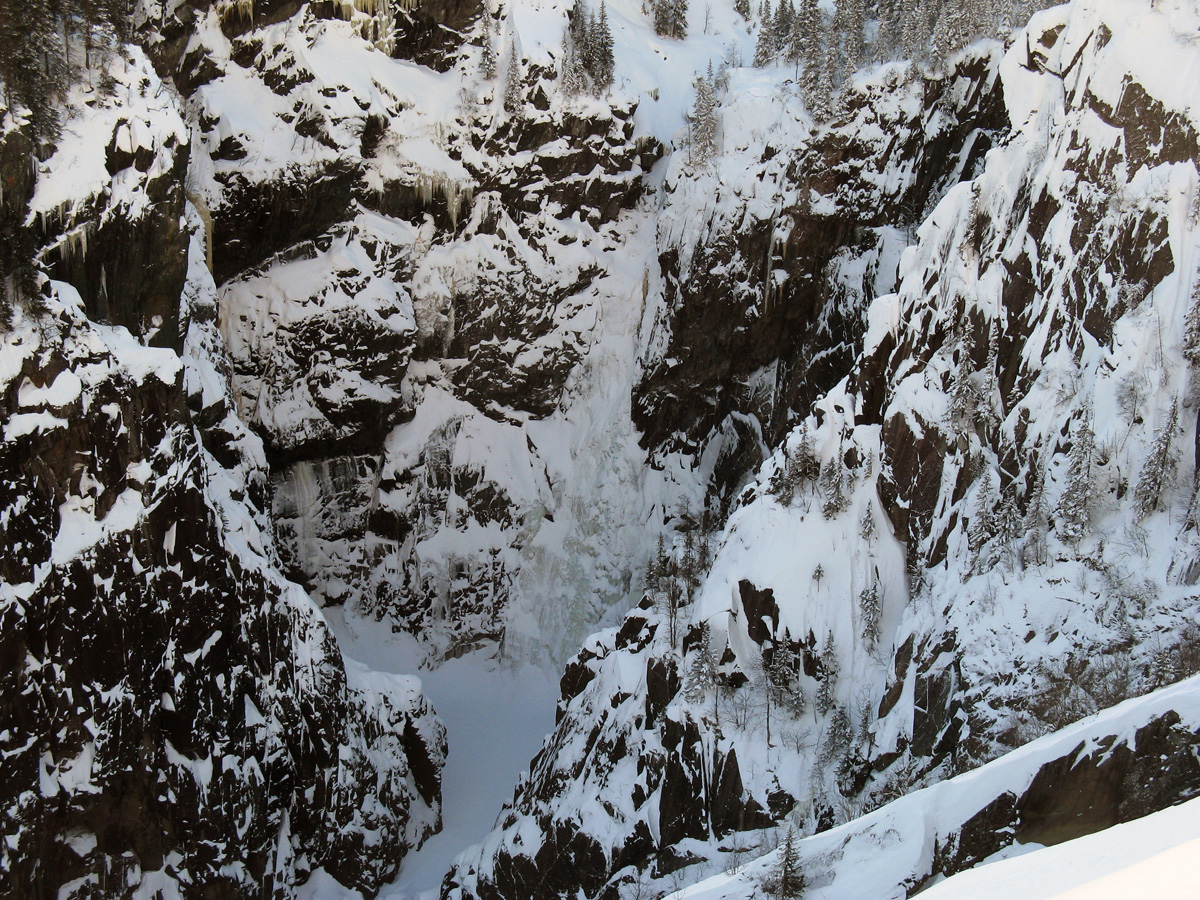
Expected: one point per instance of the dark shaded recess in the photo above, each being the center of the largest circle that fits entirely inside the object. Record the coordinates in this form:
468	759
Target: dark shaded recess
257	220
729	321
129	271
18	176
761	610
433	31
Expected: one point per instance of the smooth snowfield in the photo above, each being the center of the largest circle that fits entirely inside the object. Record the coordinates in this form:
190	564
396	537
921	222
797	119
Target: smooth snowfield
495	718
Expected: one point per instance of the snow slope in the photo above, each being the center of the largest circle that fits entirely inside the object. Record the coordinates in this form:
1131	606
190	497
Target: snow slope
1153	856
495	717
898	847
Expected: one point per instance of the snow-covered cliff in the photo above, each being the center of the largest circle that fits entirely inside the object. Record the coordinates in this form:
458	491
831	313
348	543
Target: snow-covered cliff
867	442
982	532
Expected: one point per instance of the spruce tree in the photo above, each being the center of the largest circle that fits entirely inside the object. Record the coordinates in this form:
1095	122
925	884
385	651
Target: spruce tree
866	525
1035	524
1008	523
786	881
1191	327
679	13
1156	468
832	485
829	671
512	85
702	671
764	48
670	18
868	608
703	119
602	43
983	519
487	57
964	399
1075	503
789	696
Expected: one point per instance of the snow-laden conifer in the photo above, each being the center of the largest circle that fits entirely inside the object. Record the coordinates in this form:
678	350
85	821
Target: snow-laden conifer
1157	468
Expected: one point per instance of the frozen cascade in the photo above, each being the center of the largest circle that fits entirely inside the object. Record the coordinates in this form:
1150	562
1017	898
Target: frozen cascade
585	567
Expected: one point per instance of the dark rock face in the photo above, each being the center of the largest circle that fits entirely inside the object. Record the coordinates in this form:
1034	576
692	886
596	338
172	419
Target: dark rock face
177	715
430	33
678	780
17	242
256	220
320	373
466	284
762	323
176	710
1082	793
128	267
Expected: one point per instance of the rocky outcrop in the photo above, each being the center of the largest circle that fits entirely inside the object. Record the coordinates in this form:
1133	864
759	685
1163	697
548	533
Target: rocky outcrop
1133	761
444	313
766	310
179	717
968	539
118	238
179	714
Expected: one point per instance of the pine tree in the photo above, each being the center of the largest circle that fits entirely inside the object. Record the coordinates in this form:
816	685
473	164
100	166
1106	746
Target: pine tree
764	48
868	608
487	58
989	394
848	22
781	25
512	85
786	881
574	77
789	695
702	671
1035	524
670	18
866	525
690	570
704	120
829	670
1075	504
833	488
34	68
1008	523
1191	327
656	568
964	399
602	42
983	520
679	17
1156	469
838	737
769	693
742	8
